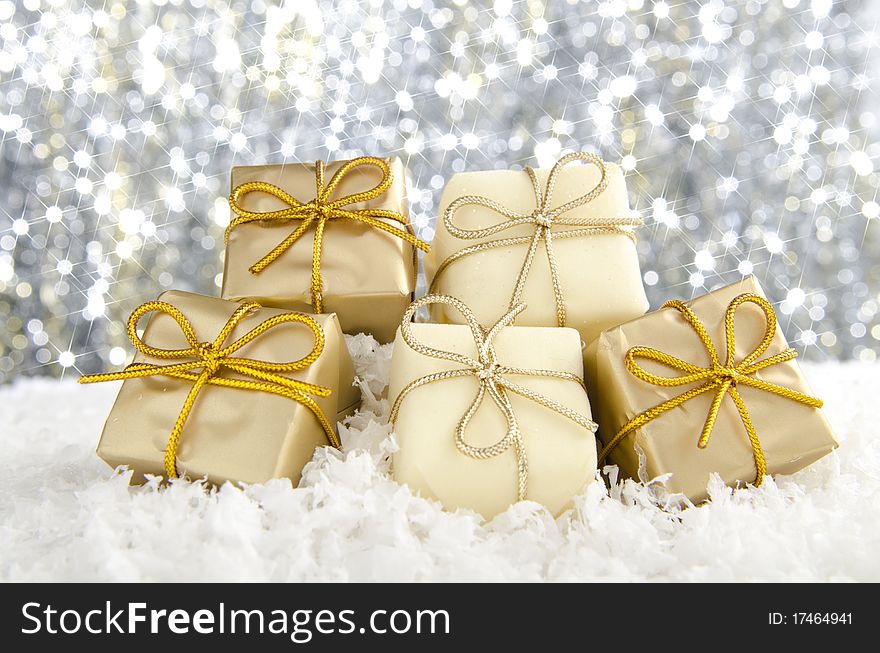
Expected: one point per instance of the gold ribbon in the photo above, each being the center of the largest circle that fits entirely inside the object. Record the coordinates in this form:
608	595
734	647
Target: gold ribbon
490	374
722	379
212	357
317	212
544	219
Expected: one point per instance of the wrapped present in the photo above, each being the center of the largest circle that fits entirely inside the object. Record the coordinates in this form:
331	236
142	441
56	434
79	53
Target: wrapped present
705	386
561	241
537	441
324	238
227	391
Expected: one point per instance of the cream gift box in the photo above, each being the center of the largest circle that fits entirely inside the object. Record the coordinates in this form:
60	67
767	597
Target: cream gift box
230	433
366	255
483	419
500	230
647	362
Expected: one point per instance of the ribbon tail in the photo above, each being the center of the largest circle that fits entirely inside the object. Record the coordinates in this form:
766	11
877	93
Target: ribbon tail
278	379
313	406
282	247
317	285
646	416
554	278
522	468
138	371
481	453
713	414
597	230
513	437
295	393
523	275
122	375
424	380
556	407
782	391
757	449
374	219
174	439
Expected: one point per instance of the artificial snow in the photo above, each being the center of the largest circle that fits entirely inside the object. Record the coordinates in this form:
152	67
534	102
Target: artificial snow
64	515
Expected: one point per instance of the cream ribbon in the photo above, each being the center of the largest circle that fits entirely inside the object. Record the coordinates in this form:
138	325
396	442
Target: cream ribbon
544	218
492	382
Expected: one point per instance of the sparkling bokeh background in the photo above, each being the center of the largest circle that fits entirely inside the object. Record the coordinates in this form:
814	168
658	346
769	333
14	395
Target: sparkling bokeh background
748	130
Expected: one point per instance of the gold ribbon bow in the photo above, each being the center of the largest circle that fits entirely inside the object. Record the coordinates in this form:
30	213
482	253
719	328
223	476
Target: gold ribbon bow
491	376
544	218
318	211
722	379
212	357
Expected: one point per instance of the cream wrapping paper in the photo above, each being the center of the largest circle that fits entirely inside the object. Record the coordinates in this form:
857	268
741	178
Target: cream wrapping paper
561	454
599	274
792	435
368	275
231	434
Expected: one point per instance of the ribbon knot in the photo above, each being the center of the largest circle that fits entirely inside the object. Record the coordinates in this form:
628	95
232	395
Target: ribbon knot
212	357
318	211
543	218
488	372
722	378
492	382
725	374
325	211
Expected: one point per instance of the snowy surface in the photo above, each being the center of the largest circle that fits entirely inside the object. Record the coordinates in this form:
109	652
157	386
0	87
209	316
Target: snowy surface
64	515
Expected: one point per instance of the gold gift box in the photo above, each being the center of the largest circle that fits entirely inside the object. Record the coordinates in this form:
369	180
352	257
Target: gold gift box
792	435
231	434
368	275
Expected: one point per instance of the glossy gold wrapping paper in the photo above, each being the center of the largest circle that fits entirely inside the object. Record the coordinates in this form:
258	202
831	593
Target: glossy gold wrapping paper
231	434
599	274
368	275
792	435
561	454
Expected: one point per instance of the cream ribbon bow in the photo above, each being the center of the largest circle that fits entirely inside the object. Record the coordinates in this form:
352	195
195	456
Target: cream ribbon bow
544	217
491	375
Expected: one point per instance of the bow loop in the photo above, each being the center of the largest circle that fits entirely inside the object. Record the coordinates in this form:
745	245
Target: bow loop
211	357
362	196
766	339
290	366
470	320
294	208
490	376
542	215
691	372
720	378
586	198
511	435
172	311
319	211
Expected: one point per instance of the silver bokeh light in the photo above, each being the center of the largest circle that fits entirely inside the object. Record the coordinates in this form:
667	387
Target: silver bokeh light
748	130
